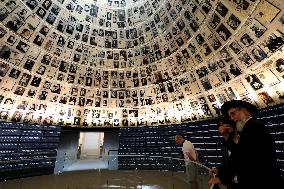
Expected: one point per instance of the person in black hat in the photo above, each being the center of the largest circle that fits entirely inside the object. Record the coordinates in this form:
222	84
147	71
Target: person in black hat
253	161
227	128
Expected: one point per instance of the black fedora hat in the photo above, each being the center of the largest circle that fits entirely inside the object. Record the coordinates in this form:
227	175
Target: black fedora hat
252	109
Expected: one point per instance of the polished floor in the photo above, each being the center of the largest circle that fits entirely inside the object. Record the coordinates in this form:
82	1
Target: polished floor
102	179
87	164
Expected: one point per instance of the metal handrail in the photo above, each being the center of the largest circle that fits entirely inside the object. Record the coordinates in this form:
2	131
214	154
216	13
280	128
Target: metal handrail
67	157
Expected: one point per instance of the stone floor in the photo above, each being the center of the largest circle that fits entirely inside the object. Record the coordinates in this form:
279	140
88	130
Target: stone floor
102	179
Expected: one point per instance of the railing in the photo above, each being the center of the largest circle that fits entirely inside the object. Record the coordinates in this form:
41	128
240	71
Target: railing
143	172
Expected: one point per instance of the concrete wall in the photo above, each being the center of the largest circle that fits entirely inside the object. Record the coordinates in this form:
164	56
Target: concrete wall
110	147
111	141
67	150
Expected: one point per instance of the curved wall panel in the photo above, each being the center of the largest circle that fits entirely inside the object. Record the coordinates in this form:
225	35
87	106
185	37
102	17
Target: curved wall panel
131	63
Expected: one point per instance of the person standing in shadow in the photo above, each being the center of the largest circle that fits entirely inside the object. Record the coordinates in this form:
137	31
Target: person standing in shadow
227	128
79	151
253	161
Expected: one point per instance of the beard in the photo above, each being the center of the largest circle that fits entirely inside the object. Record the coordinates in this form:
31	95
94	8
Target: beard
240	125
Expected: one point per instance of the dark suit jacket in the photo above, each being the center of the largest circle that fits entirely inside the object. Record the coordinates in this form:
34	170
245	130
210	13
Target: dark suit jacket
254	159
227	145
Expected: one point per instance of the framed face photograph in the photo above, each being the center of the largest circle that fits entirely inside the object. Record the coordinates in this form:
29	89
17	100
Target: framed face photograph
4	68
214	21
279	64
230	93
234	70
25	79
265	97
41	12
254	81
35	81
25	32
225	76
246	59
270	45
19	90
243	5
4	115
233	22
3	13
235	47
206	83
222	9
193	25
280	94
14	73
44	30
51	18
223	32
258	54
8	103
55	9
216	108
199	39
38	40
2	32
186	34
32	4
202	72
211	98
12	39
221	98
31	92
246	40
257	29
23	47
214	42
212	65
206	6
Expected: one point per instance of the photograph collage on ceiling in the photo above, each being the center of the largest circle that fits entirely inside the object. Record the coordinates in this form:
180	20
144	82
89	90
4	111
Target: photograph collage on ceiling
76	63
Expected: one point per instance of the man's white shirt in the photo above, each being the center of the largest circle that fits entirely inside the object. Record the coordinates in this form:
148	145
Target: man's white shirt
188	147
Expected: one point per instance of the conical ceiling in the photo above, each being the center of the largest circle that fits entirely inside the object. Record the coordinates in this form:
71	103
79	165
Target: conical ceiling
104	63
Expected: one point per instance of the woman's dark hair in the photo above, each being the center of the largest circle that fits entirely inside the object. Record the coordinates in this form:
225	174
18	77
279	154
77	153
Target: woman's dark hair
226	121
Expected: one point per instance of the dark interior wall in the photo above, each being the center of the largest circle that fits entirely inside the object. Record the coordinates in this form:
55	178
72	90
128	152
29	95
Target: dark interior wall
159	141
67	150
110	148
27	150
111	141
153	143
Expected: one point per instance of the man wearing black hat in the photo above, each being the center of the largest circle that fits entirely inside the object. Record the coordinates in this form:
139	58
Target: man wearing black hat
254	160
